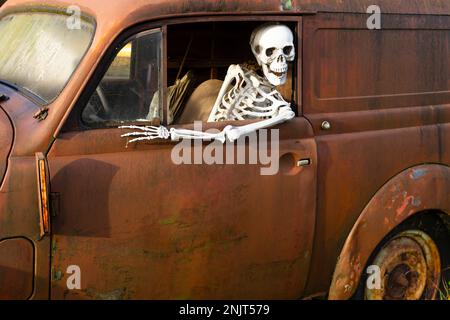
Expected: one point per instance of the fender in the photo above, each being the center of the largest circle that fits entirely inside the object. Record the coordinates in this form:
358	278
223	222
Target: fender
17	257
415	190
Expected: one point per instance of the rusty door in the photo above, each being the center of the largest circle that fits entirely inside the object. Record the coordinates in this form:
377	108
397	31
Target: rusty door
139	226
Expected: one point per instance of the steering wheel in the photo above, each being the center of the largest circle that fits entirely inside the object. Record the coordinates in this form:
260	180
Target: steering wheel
98	108
104	102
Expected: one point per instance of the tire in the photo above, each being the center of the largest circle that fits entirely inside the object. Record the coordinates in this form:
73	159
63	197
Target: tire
411	263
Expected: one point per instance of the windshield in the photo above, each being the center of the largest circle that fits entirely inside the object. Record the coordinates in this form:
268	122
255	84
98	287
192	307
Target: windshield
39	51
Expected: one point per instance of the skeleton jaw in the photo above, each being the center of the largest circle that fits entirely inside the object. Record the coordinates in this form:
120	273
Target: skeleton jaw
275	78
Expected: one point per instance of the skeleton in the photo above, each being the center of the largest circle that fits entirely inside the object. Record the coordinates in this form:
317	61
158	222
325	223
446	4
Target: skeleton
251	96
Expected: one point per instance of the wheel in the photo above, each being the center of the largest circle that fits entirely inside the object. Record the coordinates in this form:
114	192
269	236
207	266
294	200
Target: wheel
412	262
410	268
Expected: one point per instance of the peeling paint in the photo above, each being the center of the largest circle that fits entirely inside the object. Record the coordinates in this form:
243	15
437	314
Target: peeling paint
57	275
286	5
53	248
416	202
404	205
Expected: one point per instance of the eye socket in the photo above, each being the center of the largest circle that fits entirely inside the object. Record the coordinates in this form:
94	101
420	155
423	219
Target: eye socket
288	50
270	51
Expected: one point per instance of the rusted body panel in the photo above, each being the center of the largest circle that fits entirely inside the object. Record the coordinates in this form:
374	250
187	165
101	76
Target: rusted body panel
163	8
372	138
19	210
128	212
19	217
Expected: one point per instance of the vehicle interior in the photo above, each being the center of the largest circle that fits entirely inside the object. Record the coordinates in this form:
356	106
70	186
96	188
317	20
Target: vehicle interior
200	54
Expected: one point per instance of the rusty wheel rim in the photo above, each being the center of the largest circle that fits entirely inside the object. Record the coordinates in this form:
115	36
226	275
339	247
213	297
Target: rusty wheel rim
410	268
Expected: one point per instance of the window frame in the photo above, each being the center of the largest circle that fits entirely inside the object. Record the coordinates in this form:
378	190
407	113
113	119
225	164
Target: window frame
74	121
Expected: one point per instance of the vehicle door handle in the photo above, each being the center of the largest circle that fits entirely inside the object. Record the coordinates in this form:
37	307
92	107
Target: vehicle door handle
303	163
291	163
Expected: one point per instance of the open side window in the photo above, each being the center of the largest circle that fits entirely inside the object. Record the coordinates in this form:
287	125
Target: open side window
198	58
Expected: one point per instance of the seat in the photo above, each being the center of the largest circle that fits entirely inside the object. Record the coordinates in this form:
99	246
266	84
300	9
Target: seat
286	89
200	103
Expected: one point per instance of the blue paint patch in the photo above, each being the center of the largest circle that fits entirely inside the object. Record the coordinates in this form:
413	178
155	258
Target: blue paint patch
418	173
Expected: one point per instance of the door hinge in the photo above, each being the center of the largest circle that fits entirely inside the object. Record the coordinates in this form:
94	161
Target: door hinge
54	203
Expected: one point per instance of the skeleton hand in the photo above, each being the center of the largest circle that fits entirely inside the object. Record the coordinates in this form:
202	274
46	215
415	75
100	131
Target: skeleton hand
146	133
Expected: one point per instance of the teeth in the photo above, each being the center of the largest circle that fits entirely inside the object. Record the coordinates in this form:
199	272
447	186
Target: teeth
279	69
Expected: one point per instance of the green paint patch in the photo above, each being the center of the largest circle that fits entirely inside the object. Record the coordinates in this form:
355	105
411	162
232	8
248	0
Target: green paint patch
53	248
228	244
287	5
168	221
118	294
57	275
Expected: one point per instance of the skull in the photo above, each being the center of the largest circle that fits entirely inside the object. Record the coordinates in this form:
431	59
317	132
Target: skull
273	47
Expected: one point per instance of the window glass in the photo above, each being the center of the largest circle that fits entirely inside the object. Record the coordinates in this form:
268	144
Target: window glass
39	52
130	90
121	66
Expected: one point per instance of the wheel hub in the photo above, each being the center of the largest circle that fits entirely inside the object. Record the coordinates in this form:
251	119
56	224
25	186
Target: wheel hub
410	268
